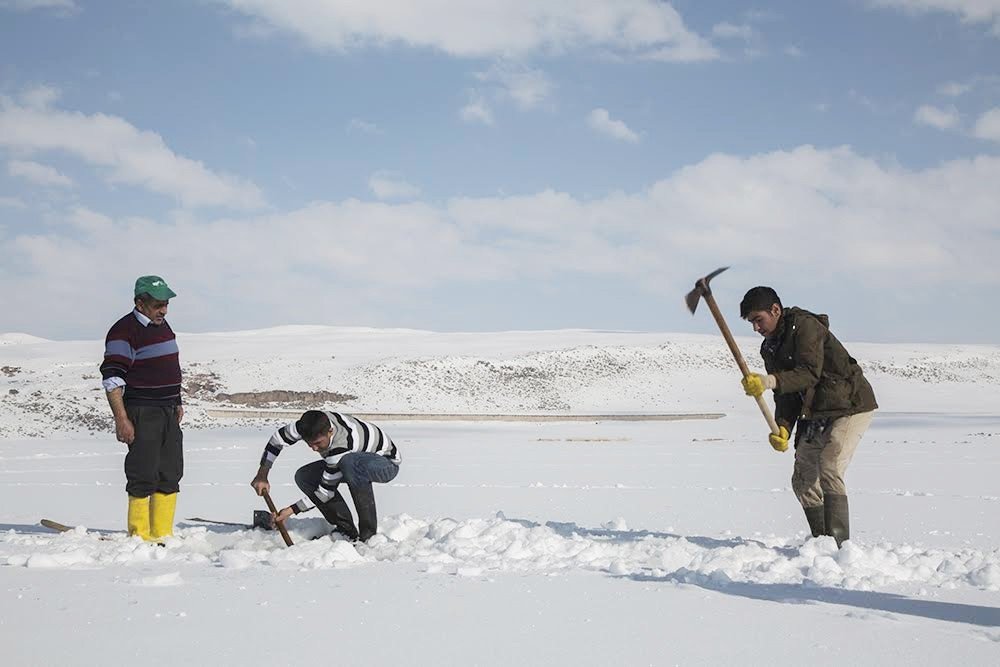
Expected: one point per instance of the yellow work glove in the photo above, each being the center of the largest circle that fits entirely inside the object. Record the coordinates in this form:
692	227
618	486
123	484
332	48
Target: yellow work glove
779	440
755	384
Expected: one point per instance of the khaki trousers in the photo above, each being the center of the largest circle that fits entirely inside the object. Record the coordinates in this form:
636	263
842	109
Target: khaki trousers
820	462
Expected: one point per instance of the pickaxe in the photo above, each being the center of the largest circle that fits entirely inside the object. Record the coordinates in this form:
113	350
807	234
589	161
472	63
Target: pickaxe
279	524
702	290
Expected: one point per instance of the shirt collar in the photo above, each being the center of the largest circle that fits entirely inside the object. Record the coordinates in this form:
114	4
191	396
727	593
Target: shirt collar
143	320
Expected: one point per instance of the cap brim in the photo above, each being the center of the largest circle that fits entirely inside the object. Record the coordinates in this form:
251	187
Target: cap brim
162	293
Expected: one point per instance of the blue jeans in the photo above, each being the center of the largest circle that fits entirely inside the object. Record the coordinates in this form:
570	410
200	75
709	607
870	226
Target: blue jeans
360	469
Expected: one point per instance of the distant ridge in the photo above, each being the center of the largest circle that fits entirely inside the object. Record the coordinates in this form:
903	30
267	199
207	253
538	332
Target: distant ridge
481	417
15	338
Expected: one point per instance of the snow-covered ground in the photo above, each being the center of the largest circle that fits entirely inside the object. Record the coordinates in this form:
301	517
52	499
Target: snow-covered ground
529	543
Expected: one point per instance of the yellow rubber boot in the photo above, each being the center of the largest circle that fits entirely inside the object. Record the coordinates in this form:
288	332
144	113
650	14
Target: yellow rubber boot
138	516
162	514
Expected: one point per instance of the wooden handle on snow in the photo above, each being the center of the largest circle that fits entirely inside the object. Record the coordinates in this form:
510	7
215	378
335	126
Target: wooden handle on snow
279	524
765	409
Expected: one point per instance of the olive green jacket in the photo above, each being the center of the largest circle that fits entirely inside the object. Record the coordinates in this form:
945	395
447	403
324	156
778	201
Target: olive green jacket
816	376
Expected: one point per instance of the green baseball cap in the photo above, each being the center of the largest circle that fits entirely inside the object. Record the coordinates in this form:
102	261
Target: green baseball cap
154	286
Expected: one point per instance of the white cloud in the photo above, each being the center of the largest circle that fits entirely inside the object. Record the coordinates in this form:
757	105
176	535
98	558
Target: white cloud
528	87
487	28
477	111
88	220
954	88
969	11
942	119
733	31
864	101
12	202
793	51
387	185
363	126
39	97
901	226
39	174
601	121
63	7
990	82
988	125
124	153
832	214
763	15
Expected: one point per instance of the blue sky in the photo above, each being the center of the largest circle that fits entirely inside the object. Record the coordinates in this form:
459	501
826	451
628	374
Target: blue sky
501	165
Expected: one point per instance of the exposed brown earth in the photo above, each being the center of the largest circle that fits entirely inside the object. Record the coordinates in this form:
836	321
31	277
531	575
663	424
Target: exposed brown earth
258	399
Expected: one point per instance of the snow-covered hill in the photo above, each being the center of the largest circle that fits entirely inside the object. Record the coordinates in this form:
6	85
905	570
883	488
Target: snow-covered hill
50	385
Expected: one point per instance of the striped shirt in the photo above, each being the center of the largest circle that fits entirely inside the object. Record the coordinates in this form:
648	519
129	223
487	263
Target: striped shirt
143	358
349	435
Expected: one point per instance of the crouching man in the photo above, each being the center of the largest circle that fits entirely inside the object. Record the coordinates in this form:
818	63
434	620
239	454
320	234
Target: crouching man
820	387
352	451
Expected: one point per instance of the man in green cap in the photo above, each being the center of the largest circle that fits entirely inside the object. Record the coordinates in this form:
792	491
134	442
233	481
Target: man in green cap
142	378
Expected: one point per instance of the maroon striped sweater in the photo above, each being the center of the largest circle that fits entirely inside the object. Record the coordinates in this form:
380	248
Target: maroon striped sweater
146	358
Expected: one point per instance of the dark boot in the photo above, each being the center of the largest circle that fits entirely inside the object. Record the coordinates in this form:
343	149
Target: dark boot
817	520
836	516
338	514
364	502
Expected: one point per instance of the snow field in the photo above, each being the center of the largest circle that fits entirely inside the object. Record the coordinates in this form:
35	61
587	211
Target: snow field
510	543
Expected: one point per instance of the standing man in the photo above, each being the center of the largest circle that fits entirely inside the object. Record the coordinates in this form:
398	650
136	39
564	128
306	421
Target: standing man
819	386
352	451
142	378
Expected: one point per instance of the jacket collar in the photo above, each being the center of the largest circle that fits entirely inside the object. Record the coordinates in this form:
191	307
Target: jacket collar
779	331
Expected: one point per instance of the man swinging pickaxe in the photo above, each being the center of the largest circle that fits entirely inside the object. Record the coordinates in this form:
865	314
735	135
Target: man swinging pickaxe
702	290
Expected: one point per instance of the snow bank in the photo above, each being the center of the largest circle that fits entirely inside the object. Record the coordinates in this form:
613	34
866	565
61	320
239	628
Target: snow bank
481	546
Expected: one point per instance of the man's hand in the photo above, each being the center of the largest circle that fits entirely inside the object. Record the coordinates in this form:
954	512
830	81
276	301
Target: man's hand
779	440
124	430
283	514
180	413
755	384
260	485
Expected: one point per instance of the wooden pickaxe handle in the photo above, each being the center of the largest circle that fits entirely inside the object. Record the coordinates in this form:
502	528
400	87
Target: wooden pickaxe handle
279	524
765	409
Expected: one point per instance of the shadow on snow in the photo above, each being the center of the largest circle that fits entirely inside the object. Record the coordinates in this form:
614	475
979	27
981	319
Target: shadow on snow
568	529
784	593
954	612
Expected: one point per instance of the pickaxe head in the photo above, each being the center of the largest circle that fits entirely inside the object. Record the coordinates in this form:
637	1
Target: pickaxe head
701	289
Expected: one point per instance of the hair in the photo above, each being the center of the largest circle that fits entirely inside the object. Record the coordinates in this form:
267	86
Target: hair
758	298
148	298
312	423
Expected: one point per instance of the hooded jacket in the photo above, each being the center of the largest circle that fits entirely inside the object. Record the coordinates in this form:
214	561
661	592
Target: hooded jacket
816	377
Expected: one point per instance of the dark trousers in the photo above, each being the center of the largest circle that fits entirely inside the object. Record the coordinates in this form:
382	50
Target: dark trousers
155	459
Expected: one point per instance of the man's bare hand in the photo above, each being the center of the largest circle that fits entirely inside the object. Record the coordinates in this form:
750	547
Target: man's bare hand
283	514
180	413
260	485
124	430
